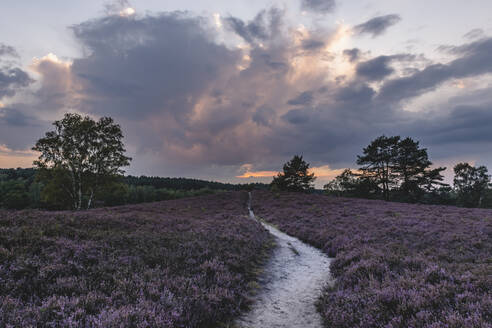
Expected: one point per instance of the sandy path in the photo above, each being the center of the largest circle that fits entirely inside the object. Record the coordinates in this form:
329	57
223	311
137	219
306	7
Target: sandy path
291	283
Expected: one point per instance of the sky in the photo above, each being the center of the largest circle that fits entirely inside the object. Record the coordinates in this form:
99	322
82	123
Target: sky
229	90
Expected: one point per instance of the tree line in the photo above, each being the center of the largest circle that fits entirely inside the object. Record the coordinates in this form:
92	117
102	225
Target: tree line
25	188
392	168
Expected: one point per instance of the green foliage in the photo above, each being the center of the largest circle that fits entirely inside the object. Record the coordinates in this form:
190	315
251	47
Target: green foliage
471	184
83	155
377	160
350	184
13	194
295	176
399	168
45	188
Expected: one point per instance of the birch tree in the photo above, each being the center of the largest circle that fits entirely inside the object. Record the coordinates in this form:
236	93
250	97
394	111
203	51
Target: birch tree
87	152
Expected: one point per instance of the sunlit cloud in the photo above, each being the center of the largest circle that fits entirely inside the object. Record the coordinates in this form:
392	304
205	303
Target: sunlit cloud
323	172
217	20
460	84
258	174
50	57
127	12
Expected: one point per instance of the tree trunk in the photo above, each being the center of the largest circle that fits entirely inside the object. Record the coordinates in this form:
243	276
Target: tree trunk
74	187
79	205
90	199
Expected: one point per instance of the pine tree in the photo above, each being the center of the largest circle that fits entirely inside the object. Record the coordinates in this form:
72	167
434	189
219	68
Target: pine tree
295	176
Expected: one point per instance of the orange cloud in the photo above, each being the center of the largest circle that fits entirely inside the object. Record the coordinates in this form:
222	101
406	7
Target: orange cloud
257	174
323	172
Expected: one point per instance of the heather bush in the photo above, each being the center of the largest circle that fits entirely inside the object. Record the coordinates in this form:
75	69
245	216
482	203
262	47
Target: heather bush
396	265
181	263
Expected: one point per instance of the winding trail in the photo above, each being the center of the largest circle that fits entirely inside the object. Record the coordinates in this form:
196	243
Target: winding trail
291	283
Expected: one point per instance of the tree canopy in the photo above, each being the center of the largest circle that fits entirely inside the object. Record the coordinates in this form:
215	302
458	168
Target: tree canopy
80	155
391	167
471	184
295	176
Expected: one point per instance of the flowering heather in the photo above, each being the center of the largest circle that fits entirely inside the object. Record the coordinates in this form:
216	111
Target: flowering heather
182	263
396	265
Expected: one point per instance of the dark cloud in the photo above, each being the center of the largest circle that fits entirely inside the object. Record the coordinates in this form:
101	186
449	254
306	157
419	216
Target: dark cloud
264	116
11	79
6	50
352	54
377	25
474	34
312	44
378	68
318	6
303	99
475	60
355	94
375	69
18	131
15	118
151	65
263	27
296	116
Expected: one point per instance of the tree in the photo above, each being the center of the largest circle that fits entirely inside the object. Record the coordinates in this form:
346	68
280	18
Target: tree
471	184
412	168
377	160
350	184
83	154
399	166
295	176
342	185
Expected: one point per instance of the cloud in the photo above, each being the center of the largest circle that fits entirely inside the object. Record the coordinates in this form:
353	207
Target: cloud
474	34
305	98
264	26
312	44
318	6
296	116
378	68
352	54
264	116
11	79
157	64
6	50
377	25
192	104
475	60
58	87
375	69
121	8
258	174
19	130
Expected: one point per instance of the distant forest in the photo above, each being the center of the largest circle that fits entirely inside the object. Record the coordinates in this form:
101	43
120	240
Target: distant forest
21	188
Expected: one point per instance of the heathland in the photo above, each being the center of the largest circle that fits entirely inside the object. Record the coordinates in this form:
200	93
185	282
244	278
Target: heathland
396	265
195	262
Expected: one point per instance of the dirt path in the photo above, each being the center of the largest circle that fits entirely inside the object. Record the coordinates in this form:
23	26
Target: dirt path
291	284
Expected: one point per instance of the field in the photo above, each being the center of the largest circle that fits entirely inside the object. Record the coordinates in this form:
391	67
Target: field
397	265
181	263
